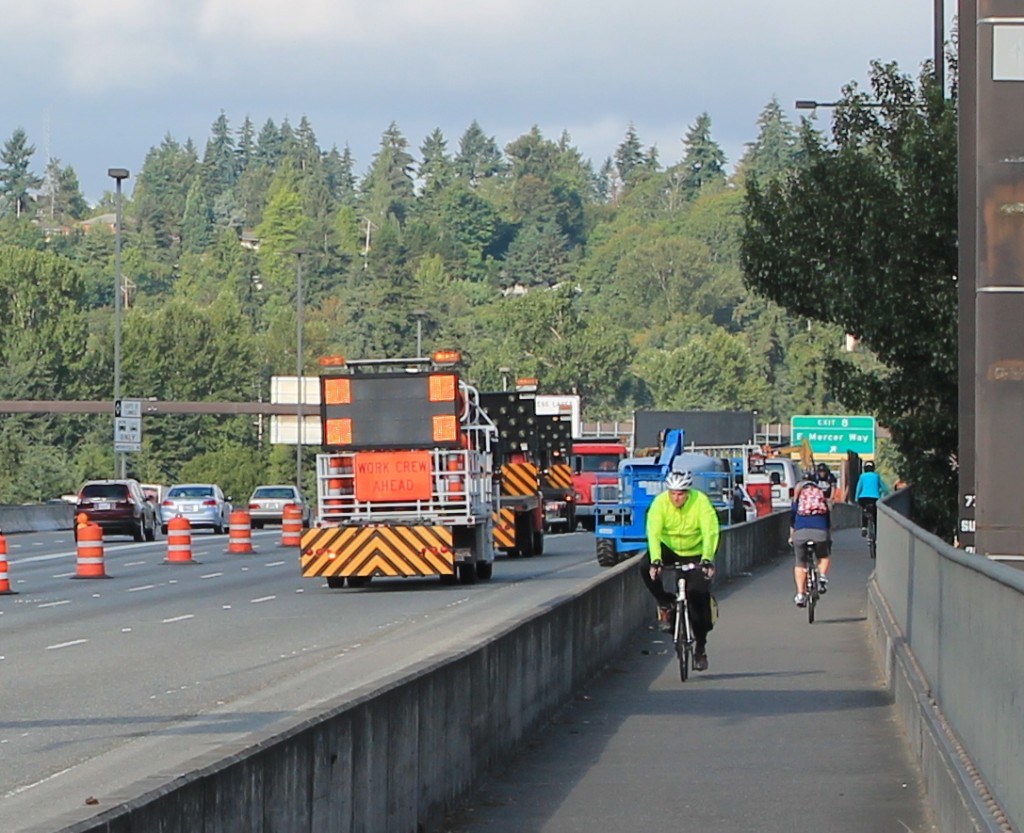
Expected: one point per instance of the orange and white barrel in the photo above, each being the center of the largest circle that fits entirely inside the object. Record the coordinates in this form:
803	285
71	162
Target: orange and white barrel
90	550
291	526
334	472
240	531
455	484
179	541
5	581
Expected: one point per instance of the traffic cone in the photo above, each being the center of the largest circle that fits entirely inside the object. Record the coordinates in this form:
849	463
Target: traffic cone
179	541
291	526
240	532
90	550
5	584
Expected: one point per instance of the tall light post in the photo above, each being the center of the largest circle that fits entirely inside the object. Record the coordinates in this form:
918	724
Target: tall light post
118	175
504	371
419	314
298	252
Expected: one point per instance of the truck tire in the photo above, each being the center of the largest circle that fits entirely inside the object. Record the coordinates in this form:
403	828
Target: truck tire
484	570
606	554
335	582
588	522
359	581
538	542
467	573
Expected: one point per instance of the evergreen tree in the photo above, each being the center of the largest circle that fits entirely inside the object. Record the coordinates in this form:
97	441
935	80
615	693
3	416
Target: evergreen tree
704	161
775	150
629	156
220	160
197	222
436	169
245	147
479	157
388	189
162	188
61	194
16	180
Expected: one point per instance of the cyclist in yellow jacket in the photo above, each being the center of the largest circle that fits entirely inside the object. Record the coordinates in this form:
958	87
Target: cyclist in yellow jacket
682	526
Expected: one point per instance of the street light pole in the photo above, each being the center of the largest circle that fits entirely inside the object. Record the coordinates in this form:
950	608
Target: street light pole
419	314
298	366
118	175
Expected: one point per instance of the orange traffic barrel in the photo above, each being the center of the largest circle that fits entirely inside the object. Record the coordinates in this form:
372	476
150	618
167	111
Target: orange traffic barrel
291	526
240	531
90	549
5	582
179	541
334	472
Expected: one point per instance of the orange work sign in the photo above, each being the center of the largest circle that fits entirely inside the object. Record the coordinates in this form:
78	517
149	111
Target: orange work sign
393	476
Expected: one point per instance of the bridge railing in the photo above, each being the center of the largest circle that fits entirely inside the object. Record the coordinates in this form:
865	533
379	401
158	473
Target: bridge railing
950	626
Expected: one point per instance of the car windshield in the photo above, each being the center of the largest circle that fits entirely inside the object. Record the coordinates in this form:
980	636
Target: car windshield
270	492
105	491
191	491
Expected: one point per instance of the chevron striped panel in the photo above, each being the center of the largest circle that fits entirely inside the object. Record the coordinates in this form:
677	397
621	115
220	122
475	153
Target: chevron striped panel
559	476
518	479
377	551
504	530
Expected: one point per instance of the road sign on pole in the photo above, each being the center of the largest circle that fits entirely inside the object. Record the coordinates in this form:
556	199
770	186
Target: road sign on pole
834	433
127	425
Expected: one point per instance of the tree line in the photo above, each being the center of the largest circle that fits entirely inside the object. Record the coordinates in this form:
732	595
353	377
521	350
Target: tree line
633	283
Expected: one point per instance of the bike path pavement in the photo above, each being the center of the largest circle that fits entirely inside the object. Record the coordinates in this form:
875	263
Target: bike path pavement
790	729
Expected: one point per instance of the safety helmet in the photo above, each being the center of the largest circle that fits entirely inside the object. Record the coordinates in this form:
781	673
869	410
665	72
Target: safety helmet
807	474
677	481
869	466
822	467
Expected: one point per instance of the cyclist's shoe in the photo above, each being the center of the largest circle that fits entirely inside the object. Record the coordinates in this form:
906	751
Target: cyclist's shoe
863	532
665	619
800	600
700	662
823	584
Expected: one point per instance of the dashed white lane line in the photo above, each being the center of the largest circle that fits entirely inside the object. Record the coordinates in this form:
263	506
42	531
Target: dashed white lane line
55	604
177	619
262	599
66	644
212	575
274	564
140	587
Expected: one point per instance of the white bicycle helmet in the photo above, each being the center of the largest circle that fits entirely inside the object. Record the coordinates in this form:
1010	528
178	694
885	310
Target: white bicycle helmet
676	481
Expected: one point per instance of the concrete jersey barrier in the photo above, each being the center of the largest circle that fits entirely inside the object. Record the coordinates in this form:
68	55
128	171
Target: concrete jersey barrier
49	517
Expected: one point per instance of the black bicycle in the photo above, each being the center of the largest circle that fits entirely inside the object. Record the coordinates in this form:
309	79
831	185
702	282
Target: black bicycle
812	584
683	637
872	532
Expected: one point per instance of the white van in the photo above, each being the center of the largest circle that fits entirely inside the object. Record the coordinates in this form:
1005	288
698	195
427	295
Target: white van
784	476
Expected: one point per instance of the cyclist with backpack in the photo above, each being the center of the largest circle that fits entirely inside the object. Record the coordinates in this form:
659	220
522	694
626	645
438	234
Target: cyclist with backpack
810	520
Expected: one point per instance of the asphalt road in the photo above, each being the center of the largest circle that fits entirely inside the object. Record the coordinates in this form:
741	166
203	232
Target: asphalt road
104	680
790	729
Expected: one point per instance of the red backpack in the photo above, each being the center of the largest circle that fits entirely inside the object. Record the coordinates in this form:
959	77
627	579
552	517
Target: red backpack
811	501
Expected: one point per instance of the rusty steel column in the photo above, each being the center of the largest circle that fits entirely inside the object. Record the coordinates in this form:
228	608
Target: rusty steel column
999	345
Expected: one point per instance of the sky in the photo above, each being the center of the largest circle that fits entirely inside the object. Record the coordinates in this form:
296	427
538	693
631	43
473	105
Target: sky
98	83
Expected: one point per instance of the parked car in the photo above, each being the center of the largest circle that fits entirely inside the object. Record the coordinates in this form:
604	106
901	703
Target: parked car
204	504
119	507
267	503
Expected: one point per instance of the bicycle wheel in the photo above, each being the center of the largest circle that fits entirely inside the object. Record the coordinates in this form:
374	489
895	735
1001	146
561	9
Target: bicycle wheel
812	593
682	641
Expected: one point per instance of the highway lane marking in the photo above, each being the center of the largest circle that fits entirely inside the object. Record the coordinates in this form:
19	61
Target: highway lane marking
212	575
66	644
262	599
55	604
133	563
178	618
274	564
63	575
140	587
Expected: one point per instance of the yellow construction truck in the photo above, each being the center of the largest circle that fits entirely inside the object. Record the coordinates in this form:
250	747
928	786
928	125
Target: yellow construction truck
405	482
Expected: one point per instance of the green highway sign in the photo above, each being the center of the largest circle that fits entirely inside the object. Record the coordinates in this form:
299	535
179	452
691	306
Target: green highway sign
834	433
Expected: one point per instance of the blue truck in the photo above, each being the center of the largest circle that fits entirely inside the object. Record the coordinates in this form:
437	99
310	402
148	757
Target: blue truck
620	529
